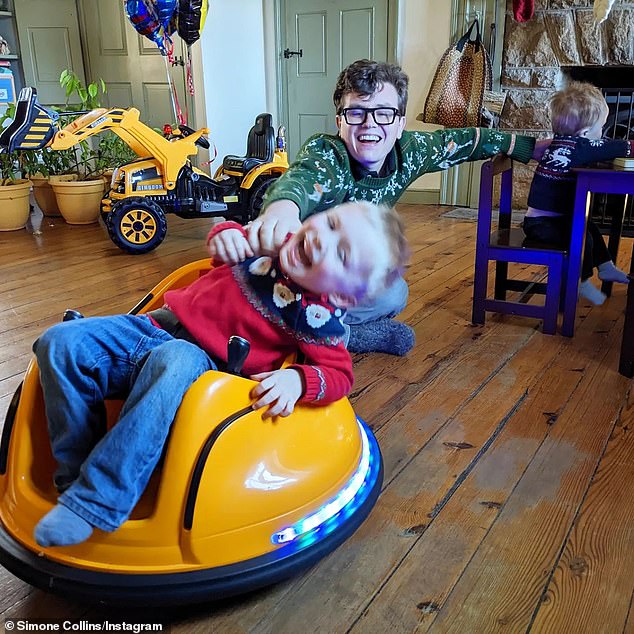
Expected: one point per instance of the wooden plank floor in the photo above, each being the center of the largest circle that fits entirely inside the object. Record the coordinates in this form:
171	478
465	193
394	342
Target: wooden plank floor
509	455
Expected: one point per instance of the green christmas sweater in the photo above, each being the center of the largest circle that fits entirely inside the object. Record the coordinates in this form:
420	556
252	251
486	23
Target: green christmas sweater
321	176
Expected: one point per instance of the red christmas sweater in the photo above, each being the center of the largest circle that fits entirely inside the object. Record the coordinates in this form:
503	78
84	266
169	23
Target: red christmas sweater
256	301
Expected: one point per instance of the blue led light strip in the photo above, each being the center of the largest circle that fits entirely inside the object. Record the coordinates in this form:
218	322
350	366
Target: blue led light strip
329	510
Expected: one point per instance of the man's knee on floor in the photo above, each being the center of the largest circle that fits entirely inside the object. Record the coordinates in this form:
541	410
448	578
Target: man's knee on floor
396	297
388	304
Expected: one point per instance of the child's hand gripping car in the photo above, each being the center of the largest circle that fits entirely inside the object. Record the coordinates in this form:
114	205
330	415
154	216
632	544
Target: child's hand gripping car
239	502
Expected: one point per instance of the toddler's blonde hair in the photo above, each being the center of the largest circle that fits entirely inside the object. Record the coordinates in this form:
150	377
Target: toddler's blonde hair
579	105
390	262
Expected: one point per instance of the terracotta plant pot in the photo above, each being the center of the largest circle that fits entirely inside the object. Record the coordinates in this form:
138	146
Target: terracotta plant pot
44	195
14	205
79	201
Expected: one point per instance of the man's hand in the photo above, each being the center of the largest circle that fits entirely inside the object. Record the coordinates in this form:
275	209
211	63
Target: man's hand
268	232
540	148
280	390
230	246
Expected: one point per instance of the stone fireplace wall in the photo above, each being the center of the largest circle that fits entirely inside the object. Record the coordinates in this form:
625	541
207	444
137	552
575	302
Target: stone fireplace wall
561	33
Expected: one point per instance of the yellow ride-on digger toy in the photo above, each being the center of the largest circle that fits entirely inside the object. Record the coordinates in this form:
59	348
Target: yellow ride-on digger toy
162	180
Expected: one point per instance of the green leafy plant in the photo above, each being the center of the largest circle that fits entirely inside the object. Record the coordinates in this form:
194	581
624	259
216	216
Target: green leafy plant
112	152
89	160
80	159
83	159
88	95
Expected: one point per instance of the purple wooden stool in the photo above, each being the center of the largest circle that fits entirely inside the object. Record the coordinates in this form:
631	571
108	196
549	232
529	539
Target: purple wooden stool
510	245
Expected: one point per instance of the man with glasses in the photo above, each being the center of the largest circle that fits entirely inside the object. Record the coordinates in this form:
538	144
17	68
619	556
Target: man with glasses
372	158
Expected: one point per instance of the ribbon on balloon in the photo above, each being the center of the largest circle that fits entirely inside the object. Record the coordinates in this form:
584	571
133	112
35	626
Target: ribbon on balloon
191	16
151	18
158	20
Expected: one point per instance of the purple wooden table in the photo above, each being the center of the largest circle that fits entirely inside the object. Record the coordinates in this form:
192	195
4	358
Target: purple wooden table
593	180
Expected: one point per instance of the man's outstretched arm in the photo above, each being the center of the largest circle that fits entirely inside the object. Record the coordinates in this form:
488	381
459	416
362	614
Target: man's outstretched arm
267	233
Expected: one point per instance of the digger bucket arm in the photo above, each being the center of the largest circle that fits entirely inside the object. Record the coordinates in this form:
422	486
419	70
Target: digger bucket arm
35	127
142	139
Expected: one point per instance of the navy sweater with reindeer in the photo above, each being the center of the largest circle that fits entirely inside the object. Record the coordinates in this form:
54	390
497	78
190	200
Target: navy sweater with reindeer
553	186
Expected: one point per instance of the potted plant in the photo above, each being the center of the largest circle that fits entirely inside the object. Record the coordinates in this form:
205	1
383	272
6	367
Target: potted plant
79	184
52	166
112	152
14	188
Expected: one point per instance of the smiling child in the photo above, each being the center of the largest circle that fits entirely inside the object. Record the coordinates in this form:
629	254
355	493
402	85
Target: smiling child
282	305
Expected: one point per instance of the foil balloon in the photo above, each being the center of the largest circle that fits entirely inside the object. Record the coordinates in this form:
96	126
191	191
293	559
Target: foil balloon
172	25
143	16
165	11
191	19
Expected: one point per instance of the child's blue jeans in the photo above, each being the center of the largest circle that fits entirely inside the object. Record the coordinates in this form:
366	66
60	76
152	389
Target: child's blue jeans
85	361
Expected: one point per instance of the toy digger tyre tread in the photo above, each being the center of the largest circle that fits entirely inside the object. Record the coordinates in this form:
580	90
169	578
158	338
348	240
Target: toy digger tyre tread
103	210
137	225
256	197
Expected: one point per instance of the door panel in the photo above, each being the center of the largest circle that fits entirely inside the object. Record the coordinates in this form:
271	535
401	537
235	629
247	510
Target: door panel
119	92
131	66
358	25
112	26
310	32
49	43
331	34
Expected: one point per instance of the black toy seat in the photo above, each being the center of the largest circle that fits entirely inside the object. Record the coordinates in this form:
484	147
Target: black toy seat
260	147
33	126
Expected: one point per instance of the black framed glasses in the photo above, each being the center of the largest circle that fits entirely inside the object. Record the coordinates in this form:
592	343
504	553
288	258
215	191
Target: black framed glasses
381	116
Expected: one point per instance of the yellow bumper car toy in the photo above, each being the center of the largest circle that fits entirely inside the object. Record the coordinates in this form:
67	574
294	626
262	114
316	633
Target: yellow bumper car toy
239	502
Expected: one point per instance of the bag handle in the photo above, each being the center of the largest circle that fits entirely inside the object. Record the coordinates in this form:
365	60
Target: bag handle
467	37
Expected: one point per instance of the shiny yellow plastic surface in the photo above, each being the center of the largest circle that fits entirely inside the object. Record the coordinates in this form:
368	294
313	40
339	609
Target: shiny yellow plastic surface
260	476
143	140
167	155
276	167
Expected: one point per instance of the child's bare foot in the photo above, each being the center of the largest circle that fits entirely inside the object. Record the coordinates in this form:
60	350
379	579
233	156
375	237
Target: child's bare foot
62	527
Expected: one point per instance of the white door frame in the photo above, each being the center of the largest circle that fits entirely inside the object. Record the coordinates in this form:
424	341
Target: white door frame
280	36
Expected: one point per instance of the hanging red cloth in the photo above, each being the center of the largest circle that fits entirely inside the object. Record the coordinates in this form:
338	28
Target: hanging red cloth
523	10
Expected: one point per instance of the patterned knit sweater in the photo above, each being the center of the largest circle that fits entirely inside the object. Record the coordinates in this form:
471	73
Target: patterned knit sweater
553	186
321	176
256	301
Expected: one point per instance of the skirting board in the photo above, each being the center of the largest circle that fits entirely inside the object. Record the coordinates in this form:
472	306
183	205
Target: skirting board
420	197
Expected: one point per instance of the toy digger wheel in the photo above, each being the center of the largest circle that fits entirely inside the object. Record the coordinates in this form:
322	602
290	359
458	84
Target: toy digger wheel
137	225
103	210
257	195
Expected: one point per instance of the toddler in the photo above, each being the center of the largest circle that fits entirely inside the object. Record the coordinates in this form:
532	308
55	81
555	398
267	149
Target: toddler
578	114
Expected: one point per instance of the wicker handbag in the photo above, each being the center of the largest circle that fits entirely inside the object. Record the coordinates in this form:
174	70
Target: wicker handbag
464	73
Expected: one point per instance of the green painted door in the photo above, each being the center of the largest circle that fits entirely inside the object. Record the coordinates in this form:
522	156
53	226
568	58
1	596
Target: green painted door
49	43
330	35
